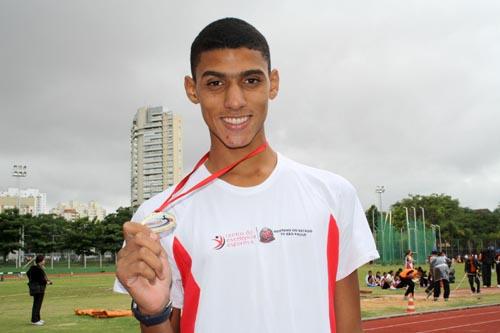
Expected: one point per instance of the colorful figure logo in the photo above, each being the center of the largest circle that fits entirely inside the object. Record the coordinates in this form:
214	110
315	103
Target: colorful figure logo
266	235
220	242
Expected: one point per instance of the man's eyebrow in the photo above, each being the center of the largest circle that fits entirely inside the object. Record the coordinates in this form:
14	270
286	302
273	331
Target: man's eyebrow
241	74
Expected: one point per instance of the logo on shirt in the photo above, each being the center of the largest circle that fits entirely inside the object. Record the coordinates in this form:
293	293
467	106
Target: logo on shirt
235	239
266	235
220	242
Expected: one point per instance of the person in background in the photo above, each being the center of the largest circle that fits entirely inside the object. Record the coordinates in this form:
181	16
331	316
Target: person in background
370	280
424	282
406	276
440	273
430	289
409	260
38	282
497	263
472	269
388	280
378	278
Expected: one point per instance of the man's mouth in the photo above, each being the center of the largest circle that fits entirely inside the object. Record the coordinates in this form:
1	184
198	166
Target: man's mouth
235	122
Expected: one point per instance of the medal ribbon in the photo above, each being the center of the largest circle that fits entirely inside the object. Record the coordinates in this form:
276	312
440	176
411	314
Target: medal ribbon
173	197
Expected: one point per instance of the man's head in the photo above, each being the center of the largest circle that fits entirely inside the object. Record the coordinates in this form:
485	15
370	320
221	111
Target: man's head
39	258
228	33
232	82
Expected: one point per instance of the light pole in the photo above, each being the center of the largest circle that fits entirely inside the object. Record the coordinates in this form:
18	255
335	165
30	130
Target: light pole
380	189
439	233
425	239
19	171
415	231
408	227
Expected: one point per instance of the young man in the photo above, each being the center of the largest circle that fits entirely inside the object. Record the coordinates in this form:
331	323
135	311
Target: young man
472	269
269	245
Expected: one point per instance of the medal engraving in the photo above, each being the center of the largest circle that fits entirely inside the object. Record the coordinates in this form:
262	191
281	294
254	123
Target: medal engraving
159	222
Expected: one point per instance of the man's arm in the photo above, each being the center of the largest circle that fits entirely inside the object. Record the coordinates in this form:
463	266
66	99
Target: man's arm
347	306
143	270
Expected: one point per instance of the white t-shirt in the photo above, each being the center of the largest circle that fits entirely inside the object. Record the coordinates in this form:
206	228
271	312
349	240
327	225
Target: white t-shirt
263	258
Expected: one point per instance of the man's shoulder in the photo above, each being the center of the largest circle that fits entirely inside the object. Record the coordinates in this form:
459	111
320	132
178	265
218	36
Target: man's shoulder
148	206
317	176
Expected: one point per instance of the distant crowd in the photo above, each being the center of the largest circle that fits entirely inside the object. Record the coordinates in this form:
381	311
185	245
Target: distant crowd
441	273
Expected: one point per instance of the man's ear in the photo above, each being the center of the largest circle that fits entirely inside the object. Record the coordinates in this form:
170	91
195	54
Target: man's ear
274	78
190	87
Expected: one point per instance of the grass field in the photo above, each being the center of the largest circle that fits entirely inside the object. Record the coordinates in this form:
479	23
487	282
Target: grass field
95	291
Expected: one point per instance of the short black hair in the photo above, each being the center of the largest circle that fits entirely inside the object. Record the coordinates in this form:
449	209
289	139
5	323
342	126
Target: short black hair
39	258
228	33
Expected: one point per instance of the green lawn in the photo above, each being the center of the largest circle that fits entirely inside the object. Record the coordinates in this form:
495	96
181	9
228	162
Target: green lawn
66	294
94	291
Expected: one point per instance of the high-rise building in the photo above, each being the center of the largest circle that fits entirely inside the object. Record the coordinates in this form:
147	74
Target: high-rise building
73	210
156	152
30	201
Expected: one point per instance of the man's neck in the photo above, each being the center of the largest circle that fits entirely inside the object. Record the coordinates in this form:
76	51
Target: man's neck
249	172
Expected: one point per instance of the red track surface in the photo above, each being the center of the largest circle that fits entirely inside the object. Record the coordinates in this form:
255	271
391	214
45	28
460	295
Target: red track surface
477	320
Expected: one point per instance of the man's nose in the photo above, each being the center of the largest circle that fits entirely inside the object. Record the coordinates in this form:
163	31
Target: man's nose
235	97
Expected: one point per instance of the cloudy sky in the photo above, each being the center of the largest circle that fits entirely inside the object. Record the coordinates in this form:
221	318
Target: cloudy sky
404	94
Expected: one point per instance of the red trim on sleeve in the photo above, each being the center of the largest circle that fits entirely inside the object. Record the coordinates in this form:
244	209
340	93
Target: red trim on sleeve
332	253
191	288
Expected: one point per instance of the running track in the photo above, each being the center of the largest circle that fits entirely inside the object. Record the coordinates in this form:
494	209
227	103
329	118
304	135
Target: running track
477	320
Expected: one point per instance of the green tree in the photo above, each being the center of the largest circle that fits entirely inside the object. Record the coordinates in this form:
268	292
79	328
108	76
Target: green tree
44	233
10	235
109	232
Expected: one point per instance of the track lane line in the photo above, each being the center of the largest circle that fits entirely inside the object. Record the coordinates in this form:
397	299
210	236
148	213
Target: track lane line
430	320
458	326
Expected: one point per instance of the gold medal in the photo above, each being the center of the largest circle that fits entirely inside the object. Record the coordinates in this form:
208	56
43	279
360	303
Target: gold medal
159	222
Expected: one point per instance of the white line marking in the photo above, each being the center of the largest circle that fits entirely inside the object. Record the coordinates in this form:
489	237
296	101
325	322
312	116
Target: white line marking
450	327
429	320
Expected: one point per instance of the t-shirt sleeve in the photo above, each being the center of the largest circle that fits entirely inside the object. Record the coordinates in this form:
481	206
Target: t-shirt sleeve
356	244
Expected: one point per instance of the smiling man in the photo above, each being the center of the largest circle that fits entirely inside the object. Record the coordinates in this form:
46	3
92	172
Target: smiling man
257	242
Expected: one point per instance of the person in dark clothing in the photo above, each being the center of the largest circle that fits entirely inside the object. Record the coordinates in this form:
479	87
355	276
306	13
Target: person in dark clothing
487	259
37	282
497	261
407	276
472	270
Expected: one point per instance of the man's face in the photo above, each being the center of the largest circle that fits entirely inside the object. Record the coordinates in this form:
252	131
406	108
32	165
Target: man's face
233	88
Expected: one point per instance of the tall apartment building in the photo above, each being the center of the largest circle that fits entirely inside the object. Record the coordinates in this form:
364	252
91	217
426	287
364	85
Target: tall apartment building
31	201
73	210
156	152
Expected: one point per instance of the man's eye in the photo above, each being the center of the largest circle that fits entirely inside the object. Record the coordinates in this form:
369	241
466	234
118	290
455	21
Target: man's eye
252	80
214	83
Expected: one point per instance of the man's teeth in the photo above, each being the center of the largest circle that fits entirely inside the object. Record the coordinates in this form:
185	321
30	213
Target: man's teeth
235	121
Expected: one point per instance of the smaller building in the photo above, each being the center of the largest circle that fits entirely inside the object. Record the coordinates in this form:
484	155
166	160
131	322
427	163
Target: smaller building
73	210
30	201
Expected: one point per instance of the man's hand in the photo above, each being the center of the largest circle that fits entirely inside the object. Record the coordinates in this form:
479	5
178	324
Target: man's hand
143	269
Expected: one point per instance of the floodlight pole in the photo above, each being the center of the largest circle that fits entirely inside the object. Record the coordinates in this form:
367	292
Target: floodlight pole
425	239
415	231
380	189
439	231
19	171
408	227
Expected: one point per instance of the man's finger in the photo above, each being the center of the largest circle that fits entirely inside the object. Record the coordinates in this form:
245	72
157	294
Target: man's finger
130	229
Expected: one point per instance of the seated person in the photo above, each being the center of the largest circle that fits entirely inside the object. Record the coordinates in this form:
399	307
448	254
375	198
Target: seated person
370	280
388	278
